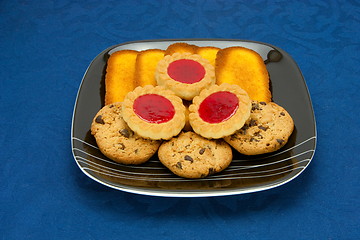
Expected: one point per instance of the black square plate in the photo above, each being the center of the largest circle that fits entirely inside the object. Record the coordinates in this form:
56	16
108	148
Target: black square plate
244	175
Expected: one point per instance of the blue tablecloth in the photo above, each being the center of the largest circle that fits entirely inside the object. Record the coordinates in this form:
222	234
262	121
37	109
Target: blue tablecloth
46	46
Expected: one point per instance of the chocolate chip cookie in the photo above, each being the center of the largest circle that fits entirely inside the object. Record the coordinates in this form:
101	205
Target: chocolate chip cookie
191	156
267	130
116	140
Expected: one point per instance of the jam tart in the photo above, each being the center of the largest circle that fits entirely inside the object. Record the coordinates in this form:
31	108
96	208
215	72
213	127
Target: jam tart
219	111
154	112
185	74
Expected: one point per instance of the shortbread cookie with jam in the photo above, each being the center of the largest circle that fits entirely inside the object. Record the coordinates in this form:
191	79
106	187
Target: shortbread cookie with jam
192	156
267	130
185	74
219	111
117	141
154	112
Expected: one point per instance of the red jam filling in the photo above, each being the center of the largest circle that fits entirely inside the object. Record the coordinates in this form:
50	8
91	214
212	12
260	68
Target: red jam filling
218	107
154	108
186	71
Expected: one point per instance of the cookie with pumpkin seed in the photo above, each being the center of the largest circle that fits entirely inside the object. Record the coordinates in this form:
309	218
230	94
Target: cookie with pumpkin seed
191	156
116	140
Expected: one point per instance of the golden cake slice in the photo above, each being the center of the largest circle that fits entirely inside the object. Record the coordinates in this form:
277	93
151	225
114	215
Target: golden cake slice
146	63
180	47
120	75
246	68
208	53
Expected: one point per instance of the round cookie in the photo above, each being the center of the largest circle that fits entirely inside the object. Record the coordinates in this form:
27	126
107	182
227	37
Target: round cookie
191	156
267	130
185	74
219	111
154	112
116	140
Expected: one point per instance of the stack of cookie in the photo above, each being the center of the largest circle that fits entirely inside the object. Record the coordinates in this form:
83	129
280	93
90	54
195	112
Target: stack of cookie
200	104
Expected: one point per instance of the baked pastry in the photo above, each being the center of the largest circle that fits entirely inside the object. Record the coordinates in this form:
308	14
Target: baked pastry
267	130
116	140
192	156
146	63
154	112
208	53
120	74
187	126
219	111
246	68
185	74
180	47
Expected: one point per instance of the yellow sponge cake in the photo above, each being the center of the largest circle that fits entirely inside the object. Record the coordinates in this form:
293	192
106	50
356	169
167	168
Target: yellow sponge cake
146	63
120	75
246	68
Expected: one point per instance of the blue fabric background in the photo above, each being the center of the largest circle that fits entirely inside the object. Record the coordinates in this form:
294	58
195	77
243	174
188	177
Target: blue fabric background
45	48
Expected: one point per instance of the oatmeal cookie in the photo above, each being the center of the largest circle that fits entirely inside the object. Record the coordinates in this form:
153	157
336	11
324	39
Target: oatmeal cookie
117	141
267	130
192	156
